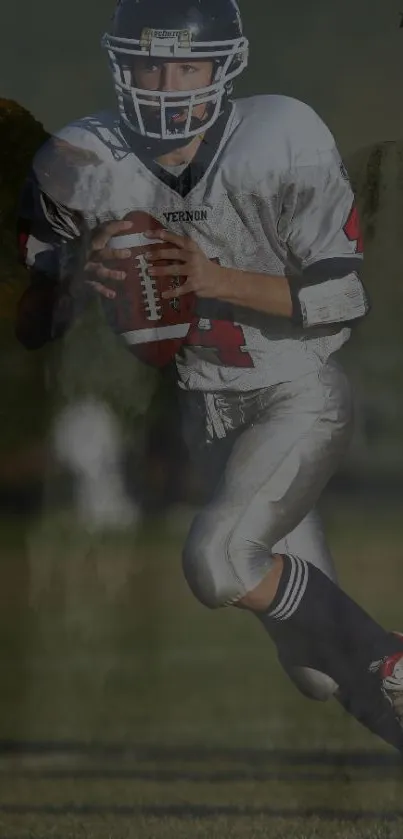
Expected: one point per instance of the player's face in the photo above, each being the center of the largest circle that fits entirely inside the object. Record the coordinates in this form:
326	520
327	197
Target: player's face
172	76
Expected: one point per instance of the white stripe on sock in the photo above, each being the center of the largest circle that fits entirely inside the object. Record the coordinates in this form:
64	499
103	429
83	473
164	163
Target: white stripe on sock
288	591
293	606
295	589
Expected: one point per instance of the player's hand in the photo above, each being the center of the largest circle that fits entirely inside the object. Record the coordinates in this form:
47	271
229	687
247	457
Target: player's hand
204	276
100	277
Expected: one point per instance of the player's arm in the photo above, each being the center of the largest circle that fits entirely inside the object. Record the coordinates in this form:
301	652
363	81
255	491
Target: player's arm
321	231
48	236
206	278
263	292
65	265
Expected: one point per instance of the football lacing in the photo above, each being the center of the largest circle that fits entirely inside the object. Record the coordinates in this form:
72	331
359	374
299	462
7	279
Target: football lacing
152	306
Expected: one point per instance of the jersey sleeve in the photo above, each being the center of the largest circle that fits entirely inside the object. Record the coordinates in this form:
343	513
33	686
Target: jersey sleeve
52	242
46	231
324	243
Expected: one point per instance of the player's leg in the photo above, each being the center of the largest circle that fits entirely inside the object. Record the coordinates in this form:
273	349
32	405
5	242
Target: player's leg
359	695
276	470
308	542
275	473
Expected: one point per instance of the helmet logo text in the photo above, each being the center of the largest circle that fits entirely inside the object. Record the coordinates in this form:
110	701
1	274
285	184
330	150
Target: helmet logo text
163	41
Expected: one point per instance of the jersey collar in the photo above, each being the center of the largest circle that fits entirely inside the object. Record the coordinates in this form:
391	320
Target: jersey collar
193	173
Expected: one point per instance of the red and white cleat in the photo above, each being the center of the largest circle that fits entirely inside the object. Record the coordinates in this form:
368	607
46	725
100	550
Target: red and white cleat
390	671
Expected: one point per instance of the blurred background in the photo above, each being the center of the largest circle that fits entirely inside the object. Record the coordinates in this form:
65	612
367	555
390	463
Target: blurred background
100	639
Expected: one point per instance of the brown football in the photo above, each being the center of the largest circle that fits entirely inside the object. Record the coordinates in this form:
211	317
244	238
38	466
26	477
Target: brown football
153	328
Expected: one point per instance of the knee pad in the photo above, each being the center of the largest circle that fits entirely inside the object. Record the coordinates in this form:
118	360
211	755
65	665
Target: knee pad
221	560
208	574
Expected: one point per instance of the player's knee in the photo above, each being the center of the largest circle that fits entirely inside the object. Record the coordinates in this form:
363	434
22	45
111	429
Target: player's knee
312	683
221	564
207	571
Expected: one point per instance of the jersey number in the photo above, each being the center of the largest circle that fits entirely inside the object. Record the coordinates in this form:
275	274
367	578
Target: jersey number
353	231
226	338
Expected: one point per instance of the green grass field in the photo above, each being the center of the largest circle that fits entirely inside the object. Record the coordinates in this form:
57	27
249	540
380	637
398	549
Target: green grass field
128	710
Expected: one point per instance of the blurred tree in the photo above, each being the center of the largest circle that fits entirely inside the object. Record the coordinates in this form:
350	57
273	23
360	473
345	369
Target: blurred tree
374	357
20	137
22	386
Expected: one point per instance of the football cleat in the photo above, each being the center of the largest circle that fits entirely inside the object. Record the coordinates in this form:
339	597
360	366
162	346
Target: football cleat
390	671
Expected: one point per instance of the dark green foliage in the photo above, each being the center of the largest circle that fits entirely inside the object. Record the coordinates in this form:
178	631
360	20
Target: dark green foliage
23	401
366	182
20	137
372	183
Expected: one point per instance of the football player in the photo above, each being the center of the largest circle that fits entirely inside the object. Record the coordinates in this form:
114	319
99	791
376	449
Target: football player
257	208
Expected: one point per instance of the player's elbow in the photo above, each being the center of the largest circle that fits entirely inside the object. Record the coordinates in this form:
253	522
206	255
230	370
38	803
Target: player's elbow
340	300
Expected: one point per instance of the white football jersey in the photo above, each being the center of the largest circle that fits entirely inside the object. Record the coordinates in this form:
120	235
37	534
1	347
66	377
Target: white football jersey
267	193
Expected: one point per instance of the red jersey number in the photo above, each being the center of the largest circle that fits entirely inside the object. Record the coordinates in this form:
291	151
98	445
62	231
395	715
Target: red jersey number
353	231
226	338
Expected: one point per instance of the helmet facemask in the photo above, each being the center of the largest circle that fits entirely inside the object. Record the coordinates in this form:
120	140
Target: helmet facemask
159	114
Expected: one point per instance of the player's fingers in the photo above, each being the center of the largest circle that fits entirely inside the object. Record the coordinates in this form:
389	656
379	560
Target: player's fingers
175	238
178	291
181	269
106	231
113	253
104	273
102	290
110	228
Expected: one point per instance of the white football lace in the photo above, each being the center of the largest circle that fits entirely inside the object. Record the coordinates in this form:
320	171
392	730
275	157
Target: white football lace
149	290
393	683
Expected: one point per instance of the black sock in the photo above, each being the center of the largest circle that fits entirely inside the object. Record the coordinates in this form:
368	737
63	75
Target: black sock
317	625
336	633
359	693
364	701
